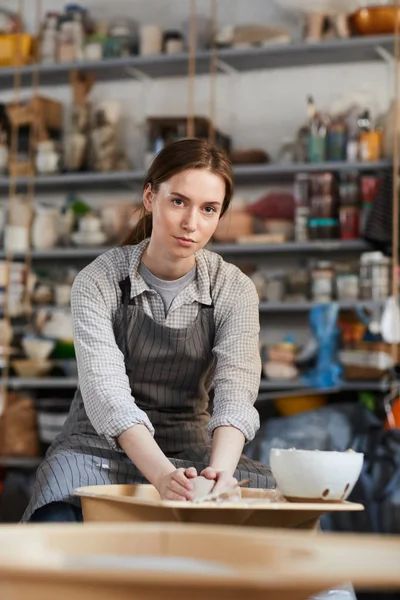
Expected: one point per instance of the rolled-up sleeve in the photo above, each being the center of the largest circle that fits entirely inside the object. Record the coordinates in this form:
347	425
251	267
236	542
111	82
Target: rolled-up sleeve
238	366
103	381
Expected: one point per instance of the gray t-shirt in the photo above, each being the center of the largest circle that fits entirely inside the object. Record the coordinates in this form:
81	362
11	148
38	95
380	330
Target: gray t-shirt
168	290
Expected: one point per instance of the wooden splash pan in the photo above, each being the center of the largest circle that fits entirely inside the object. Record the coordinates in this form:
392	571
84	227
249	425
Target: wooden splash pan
142	503
97	562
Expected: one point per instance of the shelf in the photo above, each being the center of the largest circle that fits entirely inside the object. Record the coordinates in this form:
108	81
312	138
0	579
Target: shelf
291	247
18	383
278	56
20	462
355	49
64	181
62	253
293	307
345	386
265	385
89	253
262	172
242	173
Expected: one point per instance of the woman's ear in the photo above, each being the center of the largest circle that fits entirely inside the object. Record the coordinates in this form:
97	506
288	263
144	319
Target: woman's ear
148	196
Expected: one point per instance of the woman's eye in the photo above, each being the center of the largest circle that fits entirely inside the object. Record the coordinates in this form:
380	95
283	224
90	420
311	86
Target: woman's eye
210	209
177	201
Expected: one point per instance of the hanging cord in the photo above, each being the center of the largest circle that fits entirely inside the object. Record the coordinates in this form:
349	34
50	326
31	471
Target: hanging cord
190	129
12	216
213	70
394	391
33	139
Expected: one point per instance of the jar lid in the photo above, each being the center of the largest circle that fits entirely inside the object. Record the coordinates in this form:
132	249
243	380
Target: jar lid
373	257
323	223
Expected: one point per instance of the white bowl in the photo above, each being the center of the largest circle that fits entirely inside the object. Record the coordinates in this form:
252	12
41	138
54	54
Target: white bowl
315	475
28	367
89	238
36	348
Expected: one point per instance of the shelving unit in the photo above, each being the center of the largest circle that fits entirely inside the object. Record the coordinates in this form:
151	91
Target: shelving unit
352	50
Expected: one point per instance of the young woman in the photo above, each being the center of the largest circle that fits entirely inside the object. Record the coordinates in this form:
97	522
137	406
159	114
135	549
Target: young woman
158	323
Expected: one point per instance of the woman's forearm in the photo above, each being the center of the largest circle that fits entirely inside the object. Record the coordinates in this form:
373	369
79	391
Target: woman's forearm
140	446
227	447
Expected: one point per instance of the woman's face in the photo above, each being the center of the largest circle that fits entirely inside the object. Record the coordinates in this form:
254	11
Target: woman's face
186	210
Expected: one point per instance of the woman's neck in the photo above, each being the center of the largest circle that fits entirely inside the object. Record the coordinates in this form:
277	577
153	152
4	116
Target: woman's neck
165	266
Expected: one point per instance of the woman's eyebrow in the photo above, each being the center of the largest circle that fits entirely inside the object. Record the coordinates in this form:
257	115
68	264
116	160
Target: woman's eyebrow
215	202
180	195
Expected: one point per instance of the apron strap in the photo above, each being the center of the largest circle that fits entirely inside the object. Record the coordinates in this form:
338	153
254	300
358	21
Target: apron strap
125	287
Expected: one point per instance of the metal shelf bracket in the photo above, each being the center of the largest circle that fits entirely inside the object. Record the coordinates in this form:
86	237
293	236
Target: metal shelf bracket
136	73
385	55
225	67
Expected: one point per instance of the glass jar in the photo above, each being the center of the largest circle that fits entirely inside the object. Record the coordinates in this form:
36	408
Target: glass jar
347	286
322	278
374	276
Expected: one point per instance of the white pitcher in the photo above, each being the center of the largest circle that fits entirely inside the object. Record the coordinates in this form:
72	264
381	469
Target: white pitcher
44	228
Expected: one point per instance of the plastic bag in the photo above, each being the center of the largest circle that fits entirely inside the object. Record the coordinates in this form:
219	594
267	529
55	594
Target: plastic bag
327	371
328	428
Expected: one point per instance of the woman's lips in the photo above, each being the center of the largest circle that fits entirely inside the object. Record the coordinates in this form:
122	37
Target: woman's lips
185	242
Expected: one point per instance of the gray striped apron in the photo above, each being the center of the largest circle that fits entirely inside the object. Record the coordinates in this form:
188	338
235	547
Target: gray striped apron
170	372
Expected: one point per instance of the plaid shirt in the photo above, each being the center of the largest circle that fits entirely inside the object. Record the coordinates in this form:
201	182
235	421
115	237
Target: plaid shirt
103	381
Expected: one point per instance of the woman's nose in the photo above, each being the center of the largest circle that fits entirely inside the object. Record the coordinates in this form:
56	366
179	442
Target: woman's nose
190	222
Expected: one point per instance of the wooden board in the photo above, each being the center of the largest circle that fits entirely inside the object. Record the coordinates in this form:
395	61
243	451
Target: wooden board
48	561
142	503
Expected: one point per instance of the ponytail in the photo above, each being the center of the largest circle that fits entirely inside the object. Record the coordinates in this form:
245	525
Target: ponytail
141	231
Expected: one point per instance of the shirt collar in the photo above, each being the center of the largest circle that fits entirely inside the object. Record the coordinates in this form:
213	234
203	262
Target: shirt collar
199	290
138	284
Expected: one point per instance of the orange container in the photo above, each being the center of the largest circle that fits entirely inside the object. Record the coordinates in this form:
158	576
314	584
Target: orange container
15	49
292	405
371	146
374	20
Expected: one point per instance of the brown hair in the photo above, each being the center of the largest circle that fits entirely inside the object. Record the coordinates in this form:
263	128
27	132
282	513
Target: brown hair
175	158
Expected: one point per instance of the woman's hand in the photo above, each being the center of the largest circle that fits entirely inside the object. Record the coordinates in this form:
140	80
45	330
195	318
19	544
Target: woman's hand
222	479
176	485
